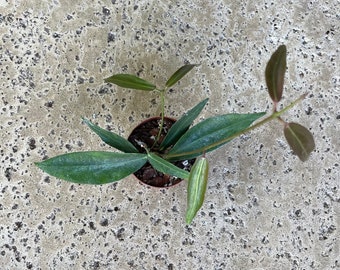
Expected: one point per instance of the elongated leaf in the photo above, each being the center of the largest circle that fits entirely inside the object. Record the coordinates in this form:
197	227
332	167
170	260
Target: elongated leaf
208	134
275	72
130	81
300	140
111	138
179	74
166	167
197	186
182	125
93	167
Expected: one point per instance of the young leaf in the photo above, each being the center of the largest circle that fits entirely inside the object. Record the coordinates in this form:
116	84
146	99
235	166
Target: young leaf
197	185
130	81
182	125
208	134
300	140
275	72
179	74
111	138
166	167
93	167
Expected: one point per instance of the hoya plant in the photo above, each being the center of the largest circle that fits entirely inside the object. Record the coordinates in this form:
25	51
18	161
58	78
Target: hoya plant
183	141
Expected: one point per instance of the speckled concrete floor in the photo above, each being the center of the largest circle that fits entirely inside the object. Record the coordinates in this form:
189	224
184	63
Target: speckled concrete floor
264	209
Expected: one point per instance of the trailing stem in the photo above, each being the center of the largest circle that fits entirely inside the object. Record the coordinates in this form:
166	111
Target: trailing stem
274	115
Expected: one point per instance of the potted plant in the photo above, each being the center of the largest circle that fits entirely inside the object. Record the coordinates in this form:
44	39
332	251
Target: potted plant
167	144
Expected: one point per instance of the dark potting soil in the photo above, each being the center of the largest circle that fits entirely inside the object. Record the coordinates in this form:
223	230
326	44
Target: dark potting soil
146	133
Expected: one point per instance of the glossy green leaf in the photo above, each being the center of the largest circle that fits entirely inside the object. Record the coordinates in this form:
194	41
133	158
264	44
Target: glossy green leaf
275	72
300	139
197	186
166	167
208	134
130	81
111	138
179	74
182	125
93	167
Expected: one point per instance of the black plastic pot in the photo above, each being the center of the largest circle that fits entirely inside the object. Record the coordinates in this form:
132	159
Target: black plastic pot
146	133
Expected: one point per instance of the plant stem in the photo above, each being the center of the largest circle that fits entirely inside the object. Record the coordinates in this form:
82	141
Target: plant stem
274	115
162	116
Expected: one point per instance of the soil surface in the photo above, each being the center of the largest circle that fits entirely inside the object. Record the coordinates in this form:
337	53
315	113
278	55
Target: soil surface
146	133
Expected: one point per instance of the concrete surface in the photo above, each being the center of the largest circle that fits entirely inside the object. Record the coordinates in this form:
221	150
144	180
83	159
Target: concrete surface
264	208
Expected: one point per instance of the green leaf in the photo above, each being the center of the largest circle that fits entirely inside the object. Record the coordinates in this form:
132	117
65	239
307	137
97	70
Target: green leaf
130	81
179	74
166	167
300	139
197	186
111	138
93	167
275	72
208	135
182	125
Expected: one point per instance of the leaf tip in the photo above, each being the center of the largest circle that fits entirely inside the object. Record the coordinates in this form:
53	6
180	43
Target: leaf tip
188	219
